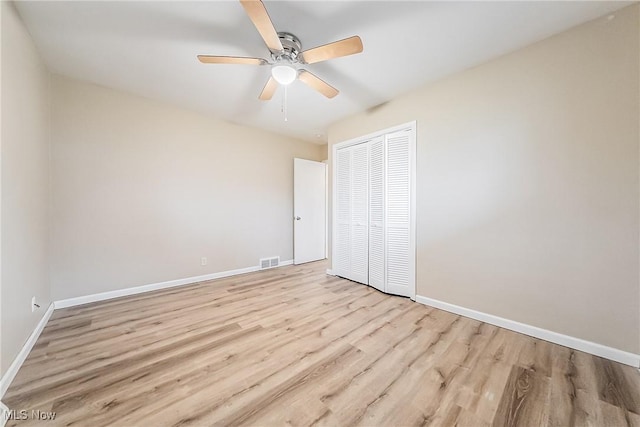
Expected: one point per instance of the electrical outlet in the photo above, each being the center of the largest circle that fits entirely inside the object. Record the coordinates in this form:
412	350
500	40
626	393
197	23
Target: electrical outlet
203	260
34	304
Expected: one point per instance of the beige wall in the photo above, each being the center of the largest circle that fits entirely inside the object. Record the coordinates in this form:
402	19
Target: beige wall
324	152
142	190
528	183
25	185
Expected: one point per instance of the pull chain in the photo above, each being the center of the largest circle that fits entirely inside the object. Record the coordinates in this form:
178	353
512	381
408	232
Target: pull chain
285	103
283	107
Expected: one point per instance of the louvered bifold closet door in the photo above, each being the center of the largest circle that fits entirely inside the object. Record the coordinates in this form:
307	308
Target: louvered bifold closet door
399	266
377	177
342	255
360	213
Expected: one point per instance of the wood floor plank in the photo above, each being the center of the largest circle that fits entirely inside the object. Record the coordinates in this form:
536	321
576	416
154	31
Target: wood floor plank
614	388
564	390
293	346
525	399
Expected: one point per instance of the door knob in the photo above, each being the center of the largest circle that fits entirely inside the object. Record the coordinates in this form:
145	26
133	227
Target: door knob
298	218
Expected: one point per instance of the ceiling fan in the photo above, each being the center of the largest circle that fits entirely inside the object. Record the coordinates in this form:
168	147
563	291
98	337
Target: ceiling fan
287	55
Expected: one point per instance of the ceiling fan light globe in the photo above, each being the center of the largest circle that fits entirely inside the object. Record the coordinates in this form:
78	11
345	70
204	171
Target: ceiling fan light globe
284	74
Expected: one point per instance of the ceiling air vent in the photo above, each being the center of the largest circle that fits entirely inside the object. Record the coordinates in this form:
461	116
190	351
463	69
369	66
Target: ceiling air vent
269	262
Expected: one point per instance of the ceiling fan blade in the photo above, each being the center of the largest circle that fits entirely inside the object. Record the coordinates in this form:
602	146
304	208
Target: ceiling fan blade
268	90
260	18
337	49
317	83
208	59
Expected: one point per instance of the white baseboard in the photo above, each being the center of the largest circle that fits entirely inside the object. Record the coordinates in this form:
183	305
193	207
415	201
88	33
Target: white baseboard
330	272
86	299
8	376
610	353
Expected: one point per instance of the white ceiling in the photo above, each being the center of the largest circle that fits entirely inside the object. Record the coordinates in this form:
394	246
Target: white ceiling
149	48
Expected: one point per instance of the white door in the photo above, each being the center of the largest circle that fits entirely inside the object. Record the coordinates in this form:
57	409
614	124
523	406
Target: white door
351	256
360	214
400	258
377	181
374	210
309	210
342	217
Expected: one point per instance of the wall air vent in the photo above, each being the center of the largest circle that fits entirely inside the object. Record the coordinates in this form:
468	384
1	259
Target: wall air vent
269	262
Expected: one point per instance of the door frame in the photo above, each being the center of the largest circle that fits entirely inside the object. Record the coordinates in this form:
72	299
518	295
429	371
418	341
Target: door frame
325	210
411	127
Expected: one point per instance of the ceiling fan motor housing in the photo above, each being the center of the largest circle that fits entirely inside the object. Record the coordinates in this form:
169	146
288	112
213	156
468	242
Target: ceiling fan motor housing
292	48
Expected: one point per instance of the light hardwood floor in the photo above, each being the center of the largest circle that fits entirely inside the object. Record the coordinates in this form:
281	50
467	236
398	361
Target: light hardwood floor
294	346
